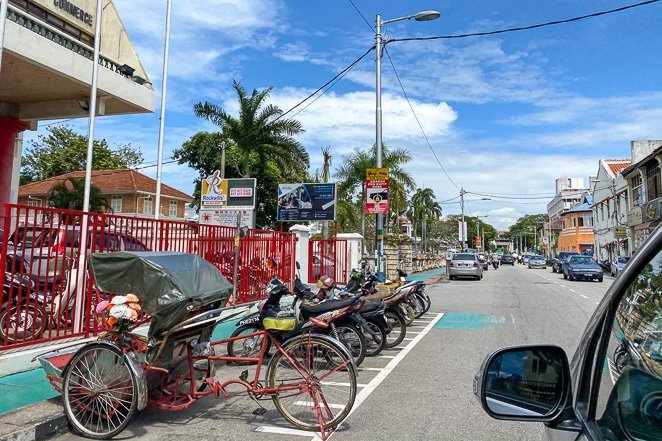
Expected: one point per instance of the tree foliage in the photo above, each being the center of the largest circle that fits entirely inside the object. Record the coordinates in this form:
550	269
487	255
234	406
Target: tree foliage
525	225
69	195
62	151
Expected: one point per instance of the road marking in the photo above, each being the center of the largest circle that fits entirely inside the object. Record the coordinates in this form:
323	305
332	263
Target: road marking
416	326
408	338
597	303
370	369
583	296
283	431
387	356
556	282
562	286
394	348
336	383
571	290
310	403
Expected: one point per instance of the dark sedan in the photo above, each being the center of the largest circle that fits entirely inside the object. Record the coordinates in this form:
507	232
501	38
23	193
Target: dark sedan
507	259
582	268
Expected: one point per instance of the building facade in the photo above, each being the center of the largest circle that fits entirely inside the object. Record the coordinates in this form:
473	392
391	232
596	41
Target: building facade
577	228
610	197
127	192
46	72
569	192
644	188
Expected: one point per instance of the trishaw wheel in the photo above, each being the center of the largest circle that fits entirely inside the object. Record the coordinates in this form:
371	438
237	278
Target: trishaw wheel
99	391
317	383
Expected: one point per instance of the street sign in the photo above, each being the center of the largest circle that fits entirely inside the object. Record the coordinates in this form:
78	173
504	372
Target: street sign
376	184
306	202
217	193
461	232
227	217
620	233
477	241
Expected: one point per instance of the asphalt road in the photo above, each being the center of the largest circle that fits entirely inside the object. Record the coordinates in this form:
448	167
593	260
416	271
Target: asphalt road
423	390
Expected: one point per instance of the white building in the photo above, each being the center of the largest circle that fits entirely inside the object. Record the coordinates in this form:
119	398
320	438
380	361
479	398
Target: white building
610	197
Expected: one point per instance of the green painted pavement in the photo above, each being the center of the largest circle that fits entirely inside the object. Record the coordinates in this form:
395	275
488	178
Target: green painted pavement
421	277
30	387
470	321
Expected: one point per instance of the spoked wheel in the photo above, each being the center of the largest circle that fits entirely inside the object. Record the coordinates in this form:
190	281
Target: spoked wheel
99	392
398	328
317	383
21	324
354	341
374	344
249	346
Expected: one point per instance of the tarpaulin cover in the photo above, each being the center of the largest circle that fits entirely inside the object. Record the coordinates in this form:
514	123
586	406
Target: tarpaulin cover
167	283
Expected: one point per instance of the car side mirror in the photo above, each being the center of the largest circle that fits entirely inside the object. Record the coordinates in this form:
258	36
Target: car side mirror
524	383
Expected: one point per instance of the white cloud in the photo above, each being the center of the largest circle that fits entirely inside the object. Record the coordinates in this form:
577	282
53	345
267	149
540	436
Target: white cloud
298	51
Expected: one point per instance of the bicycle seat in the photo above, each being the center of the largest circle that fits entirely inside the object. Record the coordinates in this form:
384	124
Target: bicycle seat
327	306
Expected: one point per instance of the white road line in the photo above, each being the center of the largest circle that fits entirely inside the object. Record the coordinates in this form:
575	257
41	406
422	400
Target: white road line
583	296
310	403
416	326
562	286
556	282
394	348
597	303
386	356
370	369
408	338
571	290
283	431
340	384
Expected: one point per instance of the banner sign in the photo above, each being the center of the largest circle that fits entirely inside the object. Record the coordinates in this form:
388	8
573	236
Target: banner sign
217	193
477	241
376	183
306	202
227	217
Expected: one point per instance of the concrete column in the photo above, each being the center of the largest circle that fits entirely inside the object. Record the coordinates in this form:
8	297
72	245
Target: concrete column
355	247
9	128
302	233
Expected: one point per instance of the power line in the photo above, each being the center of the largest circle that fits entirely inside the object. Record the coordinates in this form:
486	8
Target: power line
508	197
420	126
362	16
526	28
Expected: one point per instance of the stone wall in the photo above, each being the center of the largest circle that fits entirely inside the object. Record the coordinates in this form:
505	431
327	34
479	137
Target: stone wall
424	263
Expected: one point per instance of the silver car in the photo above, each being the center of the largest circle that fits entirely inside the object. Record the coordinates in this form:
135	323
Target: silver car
618	265
537	262
465	265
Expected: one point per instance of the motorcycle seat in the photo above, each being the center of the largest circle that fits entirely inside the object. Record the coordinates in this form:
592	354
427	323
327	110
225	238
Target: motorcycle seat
371	305
327	306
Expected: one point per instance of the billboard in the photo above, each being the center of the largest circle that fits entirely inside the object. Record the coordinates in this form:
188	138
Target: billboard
306	202
217	193
227	217
376	184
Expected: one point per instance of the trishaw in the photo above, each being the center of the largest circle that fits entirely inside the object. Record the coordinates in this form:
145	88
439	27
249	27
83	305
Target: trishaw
183	297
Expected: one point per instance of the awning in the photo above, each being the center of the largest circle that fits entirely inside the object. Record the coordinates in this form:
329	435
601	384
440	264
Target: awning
646	225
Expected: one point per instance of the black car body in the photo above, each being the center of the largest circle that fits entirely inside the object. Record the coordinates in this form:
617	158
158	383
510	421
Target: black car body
507	259
557	263
582	268
612	389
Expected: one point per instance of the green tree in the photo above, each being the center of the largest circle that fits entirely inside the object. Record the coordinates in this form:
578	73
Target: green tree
525	227
423	208
352	173
62	151
69	195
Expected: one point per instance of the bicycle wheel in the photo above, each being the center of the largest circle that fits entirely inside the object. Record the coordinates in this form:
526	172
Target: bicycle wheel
354	341
374	344
398	328
249	346
99	392
317	382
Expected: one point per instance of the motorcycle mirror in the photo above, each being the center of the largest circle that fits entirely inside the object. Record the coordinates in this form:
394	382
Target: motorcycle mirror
298	266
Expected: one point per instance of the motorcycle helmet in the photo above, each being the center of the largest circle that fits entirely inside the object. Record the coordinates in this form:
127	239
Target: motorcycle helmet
324	282
276	287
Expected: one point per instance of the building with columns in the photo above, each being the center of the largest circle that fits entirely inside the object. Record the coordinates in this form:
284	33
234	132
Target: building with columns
46	73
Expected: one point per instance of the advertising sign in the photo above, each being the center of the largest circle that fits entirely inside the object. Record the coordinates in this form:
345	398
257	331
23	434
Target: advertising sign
620	233
306	202
376	183
461	231
218	193
477	243
227	217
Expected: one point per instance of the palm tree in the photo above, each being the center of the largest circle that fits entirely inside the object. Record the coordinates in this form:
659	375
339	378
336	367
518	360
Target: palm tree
259	133
69	195
423	207
352	173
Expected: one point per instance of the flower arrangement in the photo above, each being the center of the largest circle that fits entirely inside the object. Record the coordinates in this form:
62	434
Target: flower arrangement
119	312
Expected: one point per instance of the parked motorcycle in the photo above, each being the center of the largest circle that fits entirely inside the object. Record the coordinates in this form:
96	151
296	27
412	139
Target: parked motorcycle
21	316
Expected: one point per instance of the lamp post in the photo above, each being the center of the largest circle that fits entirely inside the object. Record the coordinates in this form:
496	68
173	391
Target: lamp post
379	44
482	245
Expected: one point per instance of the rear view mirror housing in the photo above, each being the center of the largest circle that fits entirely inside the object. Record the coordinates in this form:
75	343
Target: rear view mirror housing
524	383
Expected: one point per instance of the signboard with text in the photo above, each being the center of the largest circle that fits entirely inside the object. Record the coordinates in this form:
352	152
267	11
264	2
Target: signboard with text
376	184
217	193
306	202
227	218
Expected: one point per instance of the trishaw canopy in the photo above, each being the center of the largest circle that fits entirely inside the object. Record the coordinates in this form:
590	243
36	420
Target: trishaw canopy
167	283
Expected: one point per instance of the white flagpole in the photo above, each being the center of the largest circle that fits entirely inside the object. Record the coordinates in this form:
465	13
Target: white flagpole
164	88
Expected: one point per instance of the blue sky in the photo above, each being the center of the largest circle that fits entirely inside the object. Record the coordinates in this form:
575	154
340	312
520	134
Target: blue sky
505	114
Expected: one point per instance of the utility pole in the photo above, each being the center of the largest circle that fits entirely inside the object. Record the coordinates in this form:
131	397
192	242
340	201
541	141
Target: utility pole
222	159
462	231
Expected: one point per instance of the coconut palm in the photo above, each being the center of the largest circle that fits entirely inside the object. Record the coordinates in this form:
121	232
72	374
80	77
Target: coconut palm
423	207
351	174
69	195
259	133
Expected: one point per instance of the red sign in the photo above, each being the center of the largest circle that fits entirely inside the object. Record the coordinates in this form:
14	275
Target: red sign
376	185
477	241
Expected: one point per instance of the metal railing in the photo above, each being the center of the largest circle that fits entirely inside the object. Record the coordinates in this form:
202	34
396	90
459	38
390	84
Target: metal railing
328	257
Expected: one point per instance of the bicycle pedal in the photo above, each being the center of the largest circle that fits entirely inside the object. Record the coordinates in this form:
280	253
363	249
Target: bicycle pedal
260	411
244	375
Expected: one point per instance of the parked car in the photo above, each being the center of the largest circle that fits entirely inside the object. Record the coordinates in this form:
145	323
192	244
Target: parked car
558	261
536	261
465	265
507	259
612	389
582	268
618	265
482	257
525	259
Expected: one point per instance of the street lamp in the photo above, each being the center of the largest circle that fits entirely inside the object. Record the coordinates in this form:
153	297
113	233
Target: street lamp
379	43
462	232
482	244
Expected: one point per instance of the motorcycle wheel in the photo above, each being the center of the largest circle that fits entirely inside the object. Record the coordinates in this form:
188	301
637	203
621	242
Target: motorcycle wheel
398	328
419	306
408	313
247	347
353	340
428	302
374	344
21	325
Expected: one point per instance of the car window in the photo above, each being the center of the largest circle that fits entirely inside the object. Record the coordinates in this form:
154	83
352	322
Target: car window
622	259
133	244
464	257
629	404
581	260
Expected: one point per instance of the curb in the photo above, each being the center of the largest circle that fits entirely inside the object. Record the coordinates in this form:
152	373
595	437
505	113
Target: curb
35	422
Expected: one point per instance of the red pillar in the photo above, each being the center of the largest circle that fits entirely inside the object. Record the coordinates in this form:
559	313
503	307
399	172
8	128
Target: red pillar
9	127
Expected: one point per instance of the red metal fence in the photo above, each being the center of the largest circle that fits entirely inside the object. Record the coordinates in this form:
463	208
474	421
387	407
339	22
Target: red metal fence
328	257
41	252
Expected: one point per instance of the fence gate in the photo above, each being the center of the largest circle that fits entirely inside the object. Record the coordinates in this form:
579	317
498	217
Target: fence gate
328	257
